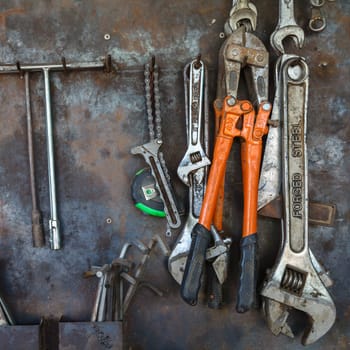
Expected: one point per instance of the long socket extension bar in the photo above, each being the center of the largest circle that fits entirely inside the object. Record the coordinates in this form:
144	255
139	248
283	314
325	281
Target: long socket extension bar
23	69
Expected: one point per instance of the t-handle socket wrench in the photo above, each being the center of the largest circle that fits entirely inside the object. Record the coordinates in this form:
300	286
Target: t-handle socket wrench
23	69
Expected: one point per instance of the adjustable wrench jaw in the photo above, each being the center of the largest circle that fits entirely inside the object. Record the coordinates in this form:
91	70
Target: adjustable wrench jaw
178	257
295	284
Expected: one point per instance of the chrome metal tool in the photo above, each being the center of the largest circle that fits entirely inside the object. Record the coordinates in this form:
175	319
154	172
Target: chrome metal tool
151	150
294	281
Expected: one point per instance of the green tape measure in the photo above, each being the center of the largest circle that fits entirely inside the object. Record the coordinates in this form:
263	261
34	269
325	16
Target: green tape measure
145	194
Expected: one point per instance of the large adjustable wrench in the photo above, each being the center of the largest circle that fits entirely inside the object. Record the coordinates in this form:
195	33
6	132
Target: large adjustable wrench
286	27
271	168
294	282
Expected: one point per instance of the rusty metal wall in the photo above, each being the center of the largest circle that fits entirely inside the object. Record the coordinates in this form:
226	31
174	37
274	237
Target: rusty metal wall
98	117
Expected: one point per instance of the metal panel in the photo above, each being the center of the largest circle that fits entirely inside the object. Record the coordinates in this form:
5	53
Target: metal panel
98	117
90	336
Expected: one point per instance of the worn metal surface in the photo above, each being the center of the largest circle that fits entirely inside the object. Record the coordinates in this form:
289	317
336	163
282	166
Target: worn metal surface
90	336
98	117
20	337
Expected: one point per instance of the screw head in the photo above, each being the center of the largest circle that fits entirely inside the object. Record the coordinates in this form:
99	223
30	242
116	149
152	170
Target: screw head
246	107
259	58
266	106
231	101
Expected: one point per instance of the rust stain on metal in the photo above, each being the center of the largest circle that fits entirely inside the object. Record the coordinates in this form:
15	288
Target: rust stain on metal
3	17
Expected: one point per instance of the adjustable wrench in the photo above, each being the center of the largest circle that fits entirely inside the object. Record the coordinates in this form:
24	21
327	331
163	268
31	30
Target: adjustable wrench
294	281
286	27
198	178
270	177
195	157
151	150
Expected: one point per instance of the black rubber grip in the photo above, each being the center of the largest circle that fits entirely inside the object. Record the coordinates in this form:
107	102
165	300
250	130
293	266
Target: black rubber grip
246	298
191	281
214	288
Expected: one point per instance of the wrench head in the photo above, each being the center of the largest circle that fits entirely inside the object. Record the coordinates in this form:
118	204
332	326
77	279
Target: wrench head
276	315
281	33
220	265
246	16
303	291
176	266
191	162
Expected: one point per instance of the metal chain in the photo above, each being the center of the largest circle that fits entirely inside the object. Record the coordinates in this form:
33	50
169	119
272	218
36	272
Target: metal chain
149	108
158	119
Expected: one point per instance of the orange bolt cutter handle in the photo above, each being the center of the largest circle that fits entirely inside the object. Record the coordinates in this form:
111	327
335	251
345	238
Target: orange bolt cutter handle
251	154
201	235
219	210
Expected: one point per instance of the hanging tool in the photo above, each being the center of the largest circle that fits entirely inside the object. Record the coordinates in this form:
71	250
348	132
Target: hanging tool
54	224
272	174
294	281
38	236
195	158
286	27
317	21
217	255
241	49
269	199
252	131
45	69
198	177
119	281
150	150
